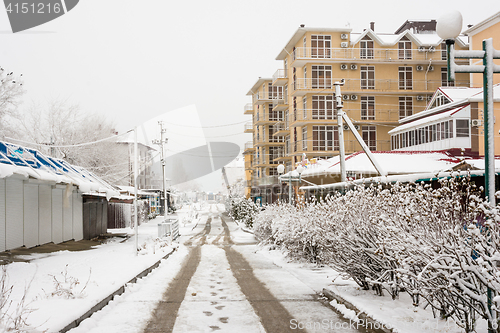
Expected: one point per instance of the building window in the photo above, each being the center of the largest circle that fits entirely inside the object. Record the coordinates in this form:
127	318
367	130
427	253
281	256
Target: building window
405	77
367	108
274	92
321	77
304	108
367	77
405	106
322	107
320	46
304	138
366	48
325	138
404	47
369	134
444	78
273	154
462	128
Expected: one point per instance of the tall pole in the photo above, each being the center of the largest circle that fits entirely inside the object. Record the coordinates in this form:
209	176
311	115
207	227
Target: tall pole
136	226
164	167
340	114
489	129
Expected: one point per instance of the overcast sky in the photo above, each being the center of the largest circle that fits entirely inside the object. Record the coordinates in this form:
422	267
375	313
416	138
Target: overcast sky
133	60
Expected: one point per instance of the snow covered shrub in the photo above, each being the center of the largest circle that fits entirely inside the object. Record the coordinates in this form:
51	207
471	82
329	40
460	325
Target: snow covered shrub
66	286
242	210
13	316
440	245
263	223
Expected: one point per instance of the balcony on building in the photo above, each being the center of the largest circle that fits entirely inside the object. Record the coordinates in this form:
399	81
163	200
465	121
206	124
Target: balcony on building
272	141
424	54
281	129
280	78
280	103
282	155
302	86
329	148
248	108
249	127
249	146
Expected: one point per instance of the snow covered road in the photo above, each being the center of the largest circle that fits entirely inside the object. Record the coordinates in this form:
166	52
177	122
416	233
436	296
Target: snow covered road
217	289
219	281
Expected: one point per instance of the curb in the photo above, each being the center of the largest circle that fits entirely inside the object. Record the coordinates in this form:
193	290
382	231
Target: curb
367	320
118	292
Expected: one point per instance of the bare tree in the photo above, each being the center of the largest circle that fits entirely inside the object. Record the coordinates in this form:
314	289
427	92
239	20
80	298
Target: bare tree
11	88
62	130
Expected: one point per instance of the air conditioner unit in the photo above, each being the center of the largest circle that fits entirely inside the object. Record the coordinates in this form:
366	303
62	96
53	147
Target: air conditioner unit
343	36
420	68
476	122
420	98
345	97
354	66
344	44
343	67
430	68
354	97
421	49
432	49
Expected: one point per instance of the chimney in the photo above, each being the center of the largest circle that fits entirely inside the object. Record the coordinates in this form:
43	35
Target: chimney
372	26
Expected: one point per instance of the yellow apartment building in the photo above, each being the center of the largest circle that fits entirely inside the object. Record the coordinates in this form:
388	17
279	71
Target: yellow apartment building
487	28
388	76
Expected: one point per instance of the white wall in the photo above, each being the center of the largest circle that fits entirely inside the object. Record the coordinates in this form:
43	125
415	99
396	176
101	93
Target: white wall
14	213
33	214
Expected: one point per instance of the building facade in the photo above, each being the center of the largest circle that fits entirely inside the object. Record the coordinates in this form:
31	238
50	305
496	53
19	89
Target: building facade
388	77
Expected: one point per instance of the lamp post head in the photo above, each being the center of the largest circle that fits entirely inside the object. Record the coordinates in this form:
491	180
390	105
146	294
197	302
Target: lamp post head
449	25
281	169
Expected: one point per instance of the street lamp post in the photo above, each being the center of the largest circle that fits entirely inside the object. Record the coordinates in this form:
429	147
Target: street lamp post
290	178
448	28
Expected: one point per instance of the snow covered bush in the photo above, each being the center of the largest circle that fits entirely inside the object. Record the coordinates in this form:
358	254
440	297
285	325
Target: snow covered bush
439	244
242	210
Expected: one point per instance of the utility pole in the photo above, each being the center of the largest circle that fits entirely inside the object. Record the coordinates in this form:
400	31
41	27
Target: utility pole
162	143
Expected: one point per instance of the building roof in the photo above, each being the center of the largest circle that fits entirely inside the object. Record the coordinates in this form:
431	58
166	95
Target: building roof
393	162
478	27
257	85
409	166
299	33
30	163
459	96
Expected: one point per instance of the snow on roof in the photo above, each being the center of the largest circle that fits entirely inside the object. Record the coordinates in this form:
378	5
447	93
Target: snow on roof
393	162
423	39
30	163
461	111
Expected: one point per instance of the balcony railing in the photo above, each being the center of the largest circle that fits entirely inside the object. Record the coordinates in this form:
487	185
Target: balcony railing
267	118
248	108
280	77
330	146
267	96
323	84
248	127
320	116
375	54
249	145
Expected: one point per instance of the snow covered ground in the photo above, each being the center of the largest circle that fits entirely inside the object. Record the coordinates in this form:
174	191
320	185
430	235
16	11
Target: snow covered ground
102	270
